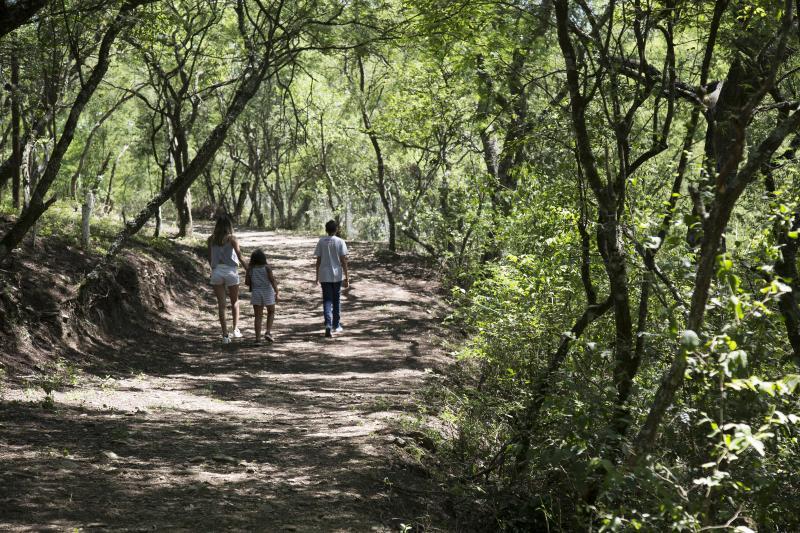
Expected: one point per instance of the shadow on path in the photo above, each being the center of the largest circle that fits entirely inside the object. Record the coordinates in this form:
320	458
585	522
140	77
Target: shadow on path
173	430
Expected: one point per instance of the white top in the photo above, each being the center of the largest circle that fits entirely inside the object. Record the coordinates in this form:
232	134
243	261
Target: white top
224	255
330	249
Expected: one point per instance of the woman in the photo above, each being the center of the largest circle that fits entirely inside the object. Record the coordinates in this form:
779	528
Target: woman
225	258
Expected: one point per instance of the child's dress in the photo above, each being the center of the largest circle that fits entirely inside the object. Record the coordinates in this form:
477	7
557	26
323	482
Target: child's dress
262	292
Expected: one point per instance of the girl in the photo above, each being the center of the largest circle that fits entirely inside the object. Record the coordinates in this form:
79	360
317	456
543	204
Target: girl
264	292
225	257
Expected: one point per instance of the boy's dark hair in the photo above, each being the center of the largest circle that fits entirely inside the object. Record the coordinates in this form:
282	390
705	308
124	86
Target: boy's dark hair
331	226
258	258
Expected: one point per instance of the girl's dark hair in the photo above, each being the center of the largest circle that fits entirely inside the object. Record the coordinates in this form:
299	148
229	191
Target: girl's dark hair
223	230
258	258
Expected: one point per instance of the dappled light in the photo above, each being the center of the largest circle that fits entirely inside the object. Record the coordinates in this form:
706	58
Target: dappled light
172	429
501	265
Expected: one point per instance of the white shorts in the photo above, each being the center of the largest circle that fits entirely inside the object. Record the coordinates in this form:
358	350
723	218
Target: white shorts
225	274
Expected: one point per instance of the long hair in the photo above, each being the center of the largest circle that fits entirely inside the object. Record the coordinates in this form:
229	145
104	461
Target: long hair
223	230
258	258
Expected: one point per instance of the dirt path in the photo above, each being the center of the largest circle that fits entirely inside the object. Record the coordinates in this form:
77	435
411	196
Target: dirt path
193	435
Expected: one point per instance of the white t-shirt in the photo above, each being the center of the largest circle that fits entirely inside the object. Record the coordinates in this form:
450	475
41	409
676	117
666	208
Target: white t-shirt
329	250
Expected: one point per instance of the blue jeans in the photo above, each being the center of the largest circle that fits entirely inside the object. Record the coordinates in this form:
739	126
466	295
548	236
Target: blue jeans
331	306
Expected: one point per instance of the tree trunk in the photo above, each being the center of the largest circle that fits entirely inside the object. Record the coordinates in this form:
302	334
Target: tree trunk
183	204
158	218
86	219
380	165
157	228
608	231
180	157
255	204
279	207
240	200
294	221
109	203
209	183
16	146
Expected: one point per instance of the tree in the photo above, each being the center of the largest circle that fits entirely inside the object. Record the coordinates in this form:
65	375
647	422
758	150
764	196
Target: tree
38	203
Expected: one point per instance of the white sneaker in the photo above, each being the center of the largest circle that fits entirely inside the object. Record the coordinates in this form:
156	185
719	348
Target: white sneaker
226	339
237	333
338	329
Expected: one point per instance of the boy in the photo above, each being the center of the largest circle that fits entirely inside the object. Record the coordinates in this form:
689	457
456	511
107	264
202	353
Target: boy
331	269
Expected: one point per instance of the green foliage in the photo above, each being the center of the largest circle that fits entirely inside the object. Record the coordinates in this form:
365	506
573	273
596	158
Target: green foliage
56	375
534	226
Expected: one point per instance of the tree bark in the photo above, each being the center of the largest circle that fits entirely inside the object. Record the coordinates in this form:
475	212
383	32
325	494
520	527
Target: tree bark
608	203
16	146
380	165
240	200
183	204
255	204
295	219
209	184
180	157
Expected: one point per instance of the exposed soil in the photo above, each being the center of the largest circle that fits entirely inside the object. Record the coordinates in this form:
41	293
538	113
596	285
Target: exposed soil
171	430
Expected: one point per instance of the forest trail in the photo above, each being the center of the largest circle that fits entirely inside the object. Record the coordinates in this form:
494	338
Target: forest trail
198	436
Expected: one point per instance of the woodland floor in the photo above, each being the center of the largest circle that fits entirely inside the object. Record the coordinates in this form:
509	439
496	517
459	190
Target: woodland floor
171	430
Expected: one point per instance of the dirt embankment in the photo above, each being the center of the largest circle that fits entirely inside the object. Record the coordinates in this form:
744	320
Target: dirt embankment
49	311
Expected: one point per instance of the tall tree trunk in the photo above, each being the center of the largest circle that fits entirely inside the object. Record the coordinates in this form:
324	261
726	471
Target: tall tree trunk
158	218
713	229
296	218
380	180
183	204
608	230
745	86
255	204
209	184
16	146
240	200
279	206
183	196
109	203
